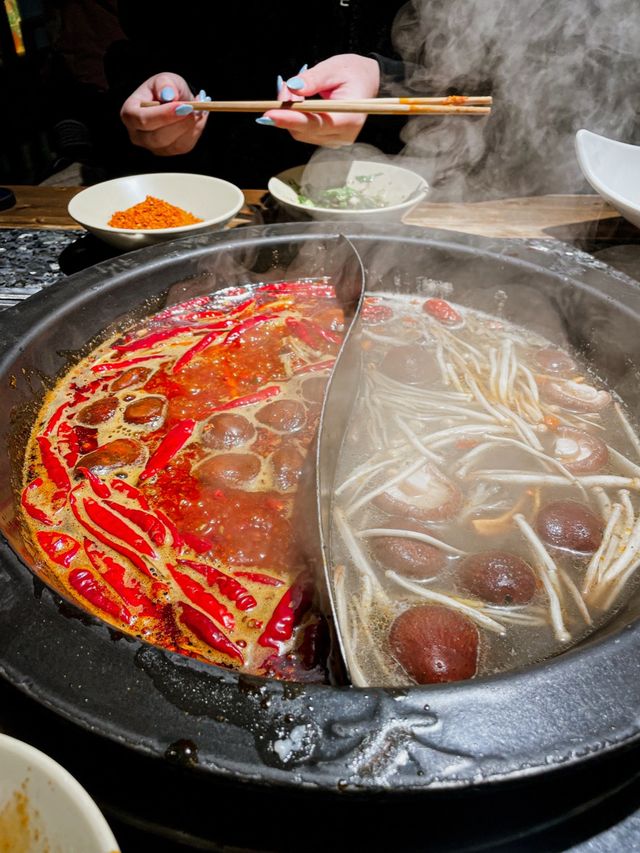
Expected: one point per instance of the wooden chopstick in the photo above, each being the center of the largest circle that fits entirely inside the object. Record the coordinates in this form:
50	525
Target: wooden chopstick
452	105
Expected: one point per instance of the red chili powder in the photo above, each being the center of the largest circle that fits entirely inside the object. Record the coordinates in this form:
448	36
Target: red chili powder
152	213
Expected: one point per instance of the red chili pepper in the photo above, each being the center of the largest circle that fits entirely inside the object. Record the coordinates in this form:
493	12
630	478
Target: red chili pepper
173	441
83	392
120	365
199	544
283	619
193	351
176	539
164	335
331	337
68	438
98	487
152	339
298	288
248	400
146	521
298	328
205	630
179	308
129	491
198	594
58	546
317	365
256	577
115	526
56	471
55	417
137	561
442	311
195	316
240	308
114	574
228	586
32	510
311	333
89	587
233	337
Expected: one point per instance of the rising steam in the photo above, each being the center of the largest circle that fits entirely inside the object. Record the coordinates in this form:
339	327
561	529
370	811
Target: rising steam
552	67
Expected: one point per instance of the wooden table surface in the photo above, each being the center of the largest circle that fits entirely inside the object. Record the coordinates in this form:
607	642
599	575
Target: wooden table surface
46	207
563	217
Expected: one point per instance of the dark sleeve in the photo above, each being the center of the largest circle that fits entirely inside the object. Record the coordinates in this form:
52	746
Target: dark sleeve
392	73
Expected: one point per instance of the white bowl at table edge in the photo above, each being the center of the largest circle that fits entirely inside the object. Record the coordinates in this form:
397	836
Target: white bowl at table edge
56	797
606	164
198	194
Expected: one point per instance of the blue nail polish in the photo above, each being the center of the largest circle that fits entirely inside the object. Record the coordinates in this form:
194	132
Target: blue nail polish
304	68
184	110
279	82
167	94
295	83
201	95
266	121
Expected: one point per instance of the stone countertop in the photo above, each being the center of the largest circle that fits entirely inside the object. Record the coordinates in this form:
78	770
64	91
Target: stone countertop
29	261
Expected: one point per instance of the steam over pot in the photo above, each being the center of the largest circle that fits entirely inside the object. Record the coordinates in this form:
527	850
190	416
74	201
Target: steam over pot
557	714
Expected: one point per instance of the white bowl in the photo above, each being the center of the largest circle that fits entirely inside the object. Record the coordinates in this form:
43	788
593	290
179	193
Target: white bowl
613	170
43	808
400	188
211	199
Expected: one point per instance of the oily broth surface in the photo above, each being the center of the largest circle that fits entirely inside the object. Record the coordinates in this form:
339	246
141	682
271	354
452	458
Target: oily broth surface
368	600
218	543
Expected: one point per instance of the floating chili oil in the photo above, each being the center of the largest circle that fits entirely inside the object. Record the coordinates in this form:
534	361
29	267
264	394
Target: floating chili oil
161	477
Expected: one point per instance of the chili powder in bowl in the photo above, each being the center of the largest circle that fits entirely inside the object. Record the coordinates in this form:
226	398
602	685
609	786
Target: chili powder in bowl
139	210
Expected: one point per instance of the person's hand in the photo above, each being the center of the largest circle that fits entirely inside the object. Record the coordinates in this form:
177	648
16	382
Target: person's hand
167	129
340	77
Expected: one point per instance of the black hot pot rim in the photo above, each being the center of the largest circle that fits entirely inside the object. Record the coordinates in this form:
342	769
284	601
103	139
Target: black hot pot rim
557	713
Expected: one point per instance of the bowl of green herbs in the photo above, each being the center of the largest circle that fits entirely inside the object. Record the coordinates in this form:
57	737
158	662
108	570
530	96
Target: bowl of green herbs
348	190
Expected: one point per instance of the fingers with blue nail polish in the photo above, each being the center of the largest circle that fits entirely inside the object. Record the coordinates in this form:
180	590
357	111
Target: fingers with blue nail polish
184	110
265	121
295	83
167	94
279	83
304	68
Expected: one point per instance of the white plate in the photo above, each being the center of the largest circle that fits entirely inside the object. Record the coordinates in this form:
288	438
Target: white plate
613	170
43	808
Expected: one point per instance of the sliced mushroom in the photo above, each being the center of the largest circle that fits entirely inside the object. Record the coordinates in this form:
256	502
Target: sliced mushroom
145	410
425	495
229	469
553	360
113	455
226	430
499	577
575	396
434	644
283	415
579	452
130	377
410	557
99	411
570	526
